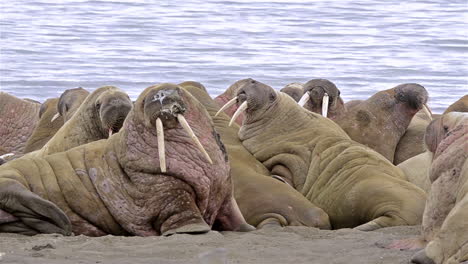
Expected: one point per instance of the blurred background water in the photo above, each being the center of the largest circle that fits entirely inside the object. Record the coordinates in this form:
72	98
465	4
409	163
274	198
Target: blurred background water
363	46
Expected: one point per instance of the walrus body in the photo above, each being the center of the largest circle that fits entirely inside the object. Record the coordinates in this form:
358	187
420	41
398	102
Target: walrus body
461	105
115	186
261	199
18	118
416	170
412	141
353	184
102	113
445	221
380	121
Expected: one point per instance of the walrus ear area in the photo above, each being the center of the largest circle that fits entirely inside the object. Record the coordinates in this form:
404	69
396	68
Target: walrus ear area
221	145
363	118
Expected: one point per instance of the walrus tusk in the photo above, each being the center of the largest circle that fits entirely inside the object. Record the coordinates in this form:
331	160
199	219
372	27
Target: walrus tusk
161	146
427	111
7	155
110	132
304	99
325	105
55	117
239	111
228	104
188	129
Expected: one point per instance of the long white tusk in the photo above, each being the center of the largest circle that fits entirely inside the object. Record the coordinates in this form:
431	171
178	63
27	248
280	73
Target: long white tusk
427	111
185	125
304	99
161	146
325	105
228	104
55	117
239	111
110	132
7	155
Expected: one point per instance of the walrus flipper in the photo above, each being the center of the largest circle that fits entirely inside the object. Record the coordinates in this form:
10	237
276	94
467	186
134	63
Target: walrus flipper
36	214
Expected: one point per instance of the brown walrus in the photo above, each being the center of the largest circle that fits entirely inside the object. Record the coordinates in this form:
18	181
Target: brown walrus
461	105
294	90
321	96
380	121
445	224
261	199
353	184
18	118
225	99
70	101
117	186
100	115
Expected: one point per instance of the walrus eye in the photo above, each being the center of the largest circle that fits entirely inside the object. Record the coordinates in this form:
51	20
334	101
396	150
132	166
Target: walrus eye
98	106
445	129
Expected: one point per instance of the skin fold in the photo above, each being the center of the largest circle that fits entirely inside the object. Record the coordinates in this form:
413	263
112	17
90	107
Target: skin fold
316	89
115	186
230	93
380	121
261	199
353	184
294	90
412	141
18	118
104	109
445	216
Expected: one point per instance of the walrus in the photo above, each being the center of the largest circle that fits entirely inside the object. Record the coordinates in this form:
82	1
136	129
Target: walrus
117	185
261	199
69	102
412	141
323	97
226	99
18	119
445	225
46	127
353	184
380	121
294	90
461	105
100	115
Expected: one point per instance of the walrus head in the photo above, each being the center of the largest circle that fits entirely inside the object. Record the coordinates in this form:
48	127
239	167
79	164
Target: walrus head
227	99
323	97
69	102
295	90
112	106
413	95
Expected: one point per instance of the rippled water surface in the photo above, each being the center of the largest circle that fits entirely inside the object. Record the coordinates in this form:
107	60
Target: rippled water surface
362	46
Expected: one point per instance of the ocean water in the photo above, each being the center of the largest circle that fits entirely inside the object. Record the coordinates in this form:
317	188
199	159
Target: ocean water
362	46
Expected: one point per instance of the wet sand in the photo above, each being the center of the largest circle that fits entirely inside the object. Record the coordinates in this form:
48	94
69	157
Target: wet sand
269	245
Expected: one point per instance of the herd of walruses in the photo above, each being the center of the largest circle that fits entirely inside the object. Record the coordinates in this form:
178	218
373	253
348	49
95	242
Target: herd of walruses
177	161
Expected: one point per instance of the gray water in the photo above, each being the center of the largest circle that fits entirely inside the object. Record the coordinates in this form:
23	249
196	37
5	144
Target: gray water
362	46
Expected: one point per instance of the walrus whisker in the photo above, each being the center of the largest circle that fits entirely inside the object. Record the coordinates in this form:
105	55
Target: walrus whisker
427	111
55	117
228	104
239	111
304	99
325	105
161	146
185	125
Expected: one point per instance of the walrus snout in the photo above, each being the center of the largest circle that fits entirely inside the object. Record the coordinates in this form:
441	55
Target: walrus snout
165	104
413	94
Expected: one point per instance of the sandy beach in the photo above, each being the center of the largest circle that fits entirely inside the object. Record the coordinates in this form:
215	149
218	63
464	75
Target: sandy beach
269	245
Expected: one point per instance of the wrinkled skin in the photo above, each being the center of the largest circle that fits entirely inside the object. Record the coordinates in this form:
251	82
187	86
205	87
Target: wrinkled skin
384	117
353	184
445	222
45	128
103	110
316	89
115	186
228	95
412	141
294	90
70	101
459	106
18	118
261	199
